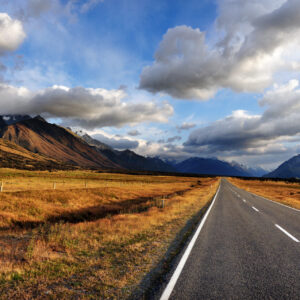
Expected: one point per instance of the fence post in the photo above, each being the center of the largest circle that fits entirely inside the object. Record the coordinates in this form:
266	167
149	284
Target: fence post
54	185
1	189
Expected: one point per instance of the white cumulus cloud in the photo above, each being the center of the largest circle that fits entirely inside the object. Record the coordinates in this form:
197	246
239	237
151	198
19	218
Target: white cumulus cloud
79	106
11	33
254	42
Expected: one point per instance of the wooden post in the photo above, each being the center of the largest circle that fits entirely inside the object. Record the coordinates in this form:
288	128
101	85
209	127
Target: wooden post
1	186
54	185
163	203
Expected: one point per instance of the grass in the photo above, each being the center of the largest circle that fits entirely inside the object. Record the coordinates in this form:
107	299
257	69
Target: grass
280	191
94	242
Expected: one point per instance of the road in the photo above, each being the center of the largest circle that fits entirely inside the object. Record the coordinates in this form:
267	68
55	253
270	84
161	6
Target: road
248	248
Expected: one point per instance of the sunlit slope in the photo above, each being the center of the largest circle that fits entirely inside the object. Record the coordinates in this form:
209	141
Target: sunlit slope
15	156
41	137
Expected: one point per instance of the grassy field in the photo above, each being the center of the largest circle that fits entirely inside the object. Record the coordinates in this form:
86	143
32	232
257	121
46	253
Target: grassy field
89	235
283	192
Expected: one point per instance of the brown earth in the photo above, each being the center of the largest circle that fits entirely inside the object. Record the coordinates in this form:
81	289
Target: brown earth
55	142
15	156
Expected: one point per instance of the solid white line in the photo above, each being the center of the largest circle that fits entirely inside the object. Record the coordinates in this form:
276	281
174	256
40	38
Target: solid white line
275	202
288	234
255	208
169	288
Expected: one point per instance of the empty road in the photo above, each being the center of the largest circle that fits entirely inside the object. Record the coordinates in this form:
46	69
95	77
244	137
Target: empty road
248	248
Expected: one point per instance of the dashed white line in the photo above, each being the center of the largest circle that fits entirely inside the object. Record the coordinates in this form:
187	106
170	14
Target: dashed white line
168	290
255	208
275	202
288	234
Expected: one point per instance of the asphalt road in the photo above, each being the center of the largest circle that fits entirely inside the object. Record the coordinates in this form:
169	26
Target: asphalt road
248	248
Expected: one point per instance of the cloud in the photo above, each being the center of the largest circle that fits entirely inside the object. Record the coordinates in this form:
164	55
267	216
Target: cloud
173	139
116	143
245	134
74	7
255	40
11	33
186	126
88	5
133	132
36	8
79	106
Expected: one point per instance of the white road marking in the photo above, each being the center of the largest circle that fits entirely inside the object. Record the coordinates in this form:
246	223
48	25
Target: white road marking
275	202
255	208
169	288
296	209
244	200
288	234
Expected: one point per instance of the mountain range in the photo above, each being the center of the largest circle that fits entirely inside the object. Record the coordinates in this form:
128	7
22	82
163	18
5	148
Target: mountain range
210	166
32	142
128	159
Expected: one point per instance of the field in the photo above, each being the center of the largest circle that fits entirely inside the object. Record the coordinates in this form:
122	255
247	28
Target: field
89	235
281	191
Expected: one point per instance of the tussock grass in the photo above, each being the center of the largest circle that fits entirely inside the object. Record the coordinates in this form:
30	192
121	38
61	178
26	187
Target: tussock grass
280	191
91	243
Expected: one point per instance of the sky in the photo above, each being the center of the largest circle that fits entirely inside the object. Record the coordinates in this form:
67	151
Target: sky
173	79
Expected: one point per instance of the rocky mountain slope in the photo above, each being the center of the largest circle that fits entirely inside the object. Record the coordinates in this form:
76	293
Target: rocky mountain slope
39	136
288	169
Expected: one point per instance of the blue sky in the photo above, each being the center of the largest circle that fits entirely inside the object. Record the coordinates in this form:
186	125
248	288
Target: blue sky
169	78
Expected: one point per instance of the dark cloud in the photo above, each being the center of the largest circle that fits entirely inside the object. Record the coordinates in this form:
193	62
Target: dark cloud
173	139
35	8
245	134
133	132
120	143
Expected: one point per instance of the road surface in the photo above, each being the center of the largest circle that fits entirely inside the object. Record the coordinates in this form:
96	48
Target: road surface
248	248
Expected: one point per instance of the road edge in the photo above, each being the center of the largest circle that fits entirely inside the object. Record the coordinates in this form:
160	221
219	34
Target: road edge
262	197
172	282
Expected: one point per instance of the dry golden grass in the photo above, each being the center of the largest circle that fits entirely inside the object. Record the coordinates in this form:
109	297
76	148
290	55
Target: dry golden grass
280	191
91	243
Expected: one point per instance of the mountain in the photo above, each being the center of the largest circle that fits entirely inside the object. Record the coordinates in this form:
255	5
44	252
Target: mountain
39	136
14	156
93	142
129	159
209	166
132	161
256	172
252	172
288	169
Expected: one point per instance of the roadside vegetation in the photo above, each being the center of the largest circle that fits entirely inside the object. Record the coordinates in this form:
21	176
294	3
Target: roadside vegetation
89	235
287	193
